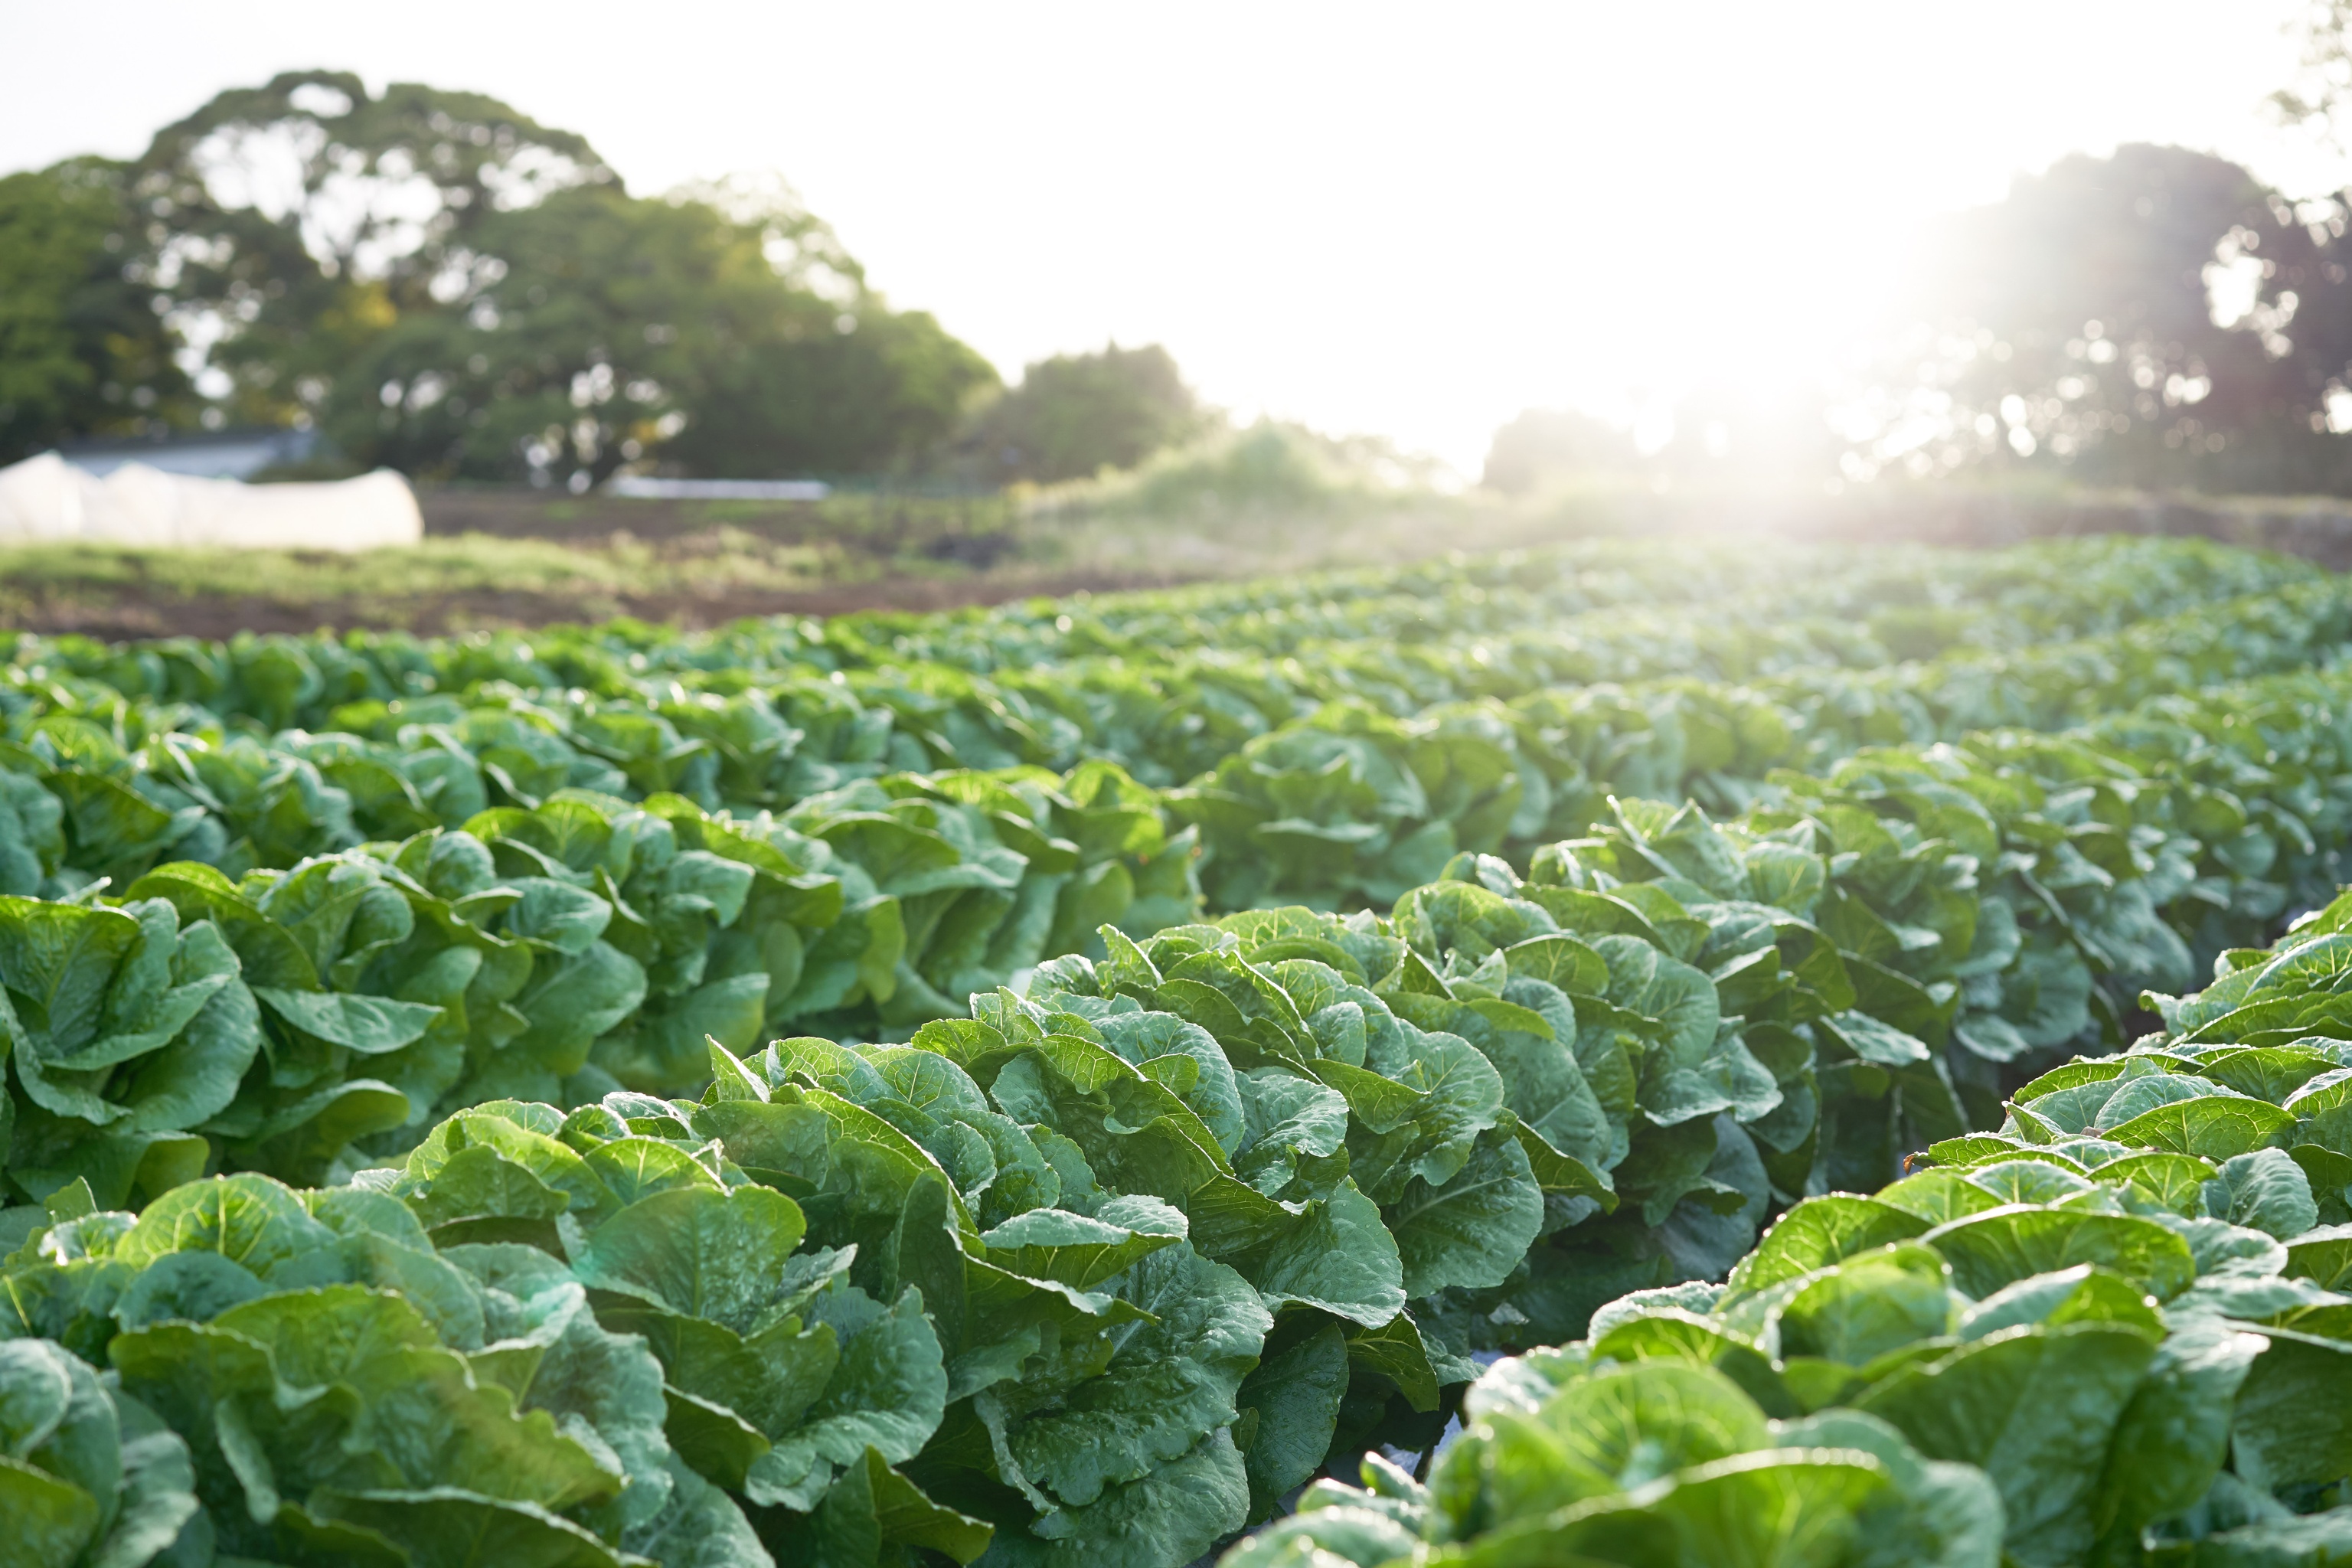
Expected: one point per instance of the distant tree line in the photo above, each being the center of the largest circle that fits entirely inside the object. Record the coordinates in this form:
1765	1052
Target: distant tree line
439	284
2158	318
1076	414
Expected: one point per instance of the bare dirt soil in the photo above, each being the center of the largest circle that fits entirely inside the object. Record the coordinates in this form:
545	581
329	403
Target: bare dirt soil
521	559
132	613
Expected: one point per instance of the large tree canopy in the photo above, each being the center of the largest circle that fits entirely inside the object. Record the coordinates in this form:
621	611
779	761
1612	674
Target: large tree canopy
291	225
448	287
1546	447
613	327
82	351
2157	317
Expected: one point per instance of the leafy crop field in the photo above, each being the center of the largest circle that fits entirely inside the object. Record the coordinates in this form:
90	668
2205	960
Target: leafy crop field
1721	1035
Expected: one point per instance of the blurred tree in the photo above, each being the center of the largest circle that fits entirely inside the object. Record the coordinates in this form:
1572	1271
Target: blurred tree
450	288
553	361
1544	447
2319	98
615	328
2159	317
1731	434
293	223
1268	467
82	350
1272	471
1712	434
1073	415
822	377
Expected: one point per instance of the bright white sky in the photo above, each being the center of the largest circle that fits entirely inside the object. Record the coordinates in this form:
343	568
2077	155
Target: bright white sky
1414	220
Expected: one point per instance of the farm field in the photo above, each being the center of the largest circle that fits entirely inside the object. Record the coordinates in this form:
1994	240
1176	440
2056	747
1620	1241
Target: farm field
497	559
505	560
1819	1055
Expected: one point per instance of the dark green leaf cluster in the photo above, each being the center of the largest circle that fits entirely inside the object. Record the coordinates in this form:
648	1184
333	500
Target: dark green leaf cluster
888	1316
547	952
301	1376
2112	1332
1361	797
90	1477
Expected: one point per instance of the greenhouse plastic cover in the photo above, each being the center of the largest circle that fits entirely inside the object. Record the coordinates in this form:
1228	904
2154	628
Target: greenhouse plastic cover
45	500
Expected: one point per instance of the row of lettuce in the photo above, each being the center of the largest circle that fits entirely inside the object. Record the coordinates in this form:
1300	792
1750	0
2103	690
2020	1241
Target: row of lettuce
1347	803
569	1271
1909	601
2114	1332
588	941
1080	1278
1612	611
1377	1146
751	733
